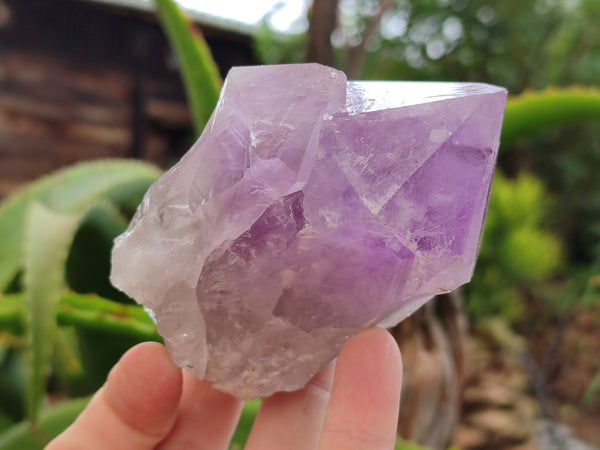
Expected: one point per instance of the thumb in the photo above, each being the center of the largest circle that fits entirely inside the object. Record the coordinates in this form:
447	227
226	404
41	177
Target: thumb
136	407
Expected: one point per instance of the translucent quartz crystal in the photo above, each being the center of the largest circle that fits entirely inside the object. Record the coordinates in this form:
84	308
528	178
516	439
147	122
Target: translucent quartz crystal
309	209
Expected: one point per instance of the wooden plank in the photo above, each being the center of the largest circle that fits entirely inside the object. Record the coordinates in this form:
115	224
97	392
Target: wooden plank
53	114
14	127
43	87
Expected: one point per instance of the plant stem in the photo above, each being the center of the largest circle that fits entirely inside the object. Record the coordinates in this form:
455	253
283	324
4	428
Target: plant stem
85	311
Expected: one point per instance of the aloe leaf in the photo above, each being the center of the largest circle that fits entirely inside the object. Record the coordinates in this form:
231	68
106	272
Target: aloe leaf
85	312
94	333
73	189
52	422
11	314
88	264
67	366
92	313
5	421
13	373
532	112
48	236
198	69
105	328
12	218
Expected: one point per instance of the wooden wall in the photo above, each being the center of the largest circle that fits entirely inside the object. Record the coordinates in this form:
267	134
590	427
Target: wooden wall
82	81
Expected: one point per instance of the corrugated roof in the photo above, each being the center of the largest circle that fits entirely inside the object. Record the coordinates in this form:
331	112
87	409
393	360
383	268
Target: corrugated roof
197	16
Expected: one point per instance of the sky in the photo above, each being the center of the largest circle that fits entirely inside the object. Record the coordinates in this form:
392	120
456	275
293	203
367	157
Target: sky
284	16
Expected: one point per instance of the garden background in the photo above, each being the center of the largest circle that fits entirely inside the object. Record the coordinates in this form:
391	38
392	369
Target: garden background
510	361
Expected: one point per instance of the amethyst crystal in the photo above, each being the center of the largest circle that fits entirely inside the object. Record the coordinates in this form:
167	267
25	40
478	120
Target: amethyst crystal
309	209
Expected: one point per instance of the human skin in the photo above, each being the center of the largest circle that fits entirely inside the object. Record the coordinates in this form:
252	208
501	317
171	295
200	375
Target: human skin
149	403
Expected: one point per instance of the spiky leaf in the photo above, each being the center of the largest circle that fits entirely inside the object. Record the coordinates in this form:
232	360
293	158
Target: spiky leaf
48	236
52	422
198	69
71	190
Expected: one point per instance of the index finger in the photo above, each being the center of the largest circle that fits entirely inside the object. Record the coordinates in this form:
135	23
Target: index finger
363	407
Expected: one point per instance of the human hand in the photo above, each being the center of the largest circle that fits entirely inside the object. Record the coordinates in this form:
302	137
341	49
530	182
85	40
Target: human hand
149	403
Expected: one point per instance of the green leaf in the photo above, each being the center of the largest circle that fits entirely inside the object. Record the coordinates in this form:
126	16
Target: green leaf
48	236
92	313
242	431
52	422
71	190
85	312
5	421
13	373
198	69
12	219
11	314
406	445
88	264
532	112
95	333
66	364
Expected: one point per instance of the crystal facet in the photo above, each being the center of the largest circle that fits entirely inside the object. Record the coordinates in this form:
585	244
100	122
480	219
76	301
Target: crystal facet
309	209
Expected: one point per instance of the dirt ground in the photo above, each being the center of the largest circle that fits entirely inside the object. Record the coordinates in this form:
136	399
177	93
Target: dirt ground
506	394
577	364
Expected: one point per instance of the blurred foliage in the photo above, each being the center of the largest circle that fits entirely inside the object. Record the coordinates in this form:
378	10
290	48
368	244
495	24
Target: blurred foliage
566	159
516	252
534	112
517	44
271	48
51	423
526	44
555	134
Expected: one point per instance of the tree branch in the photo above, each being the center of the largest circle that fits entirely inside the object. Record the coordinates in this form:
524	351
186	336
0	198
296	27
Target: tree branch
356	55
322	22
